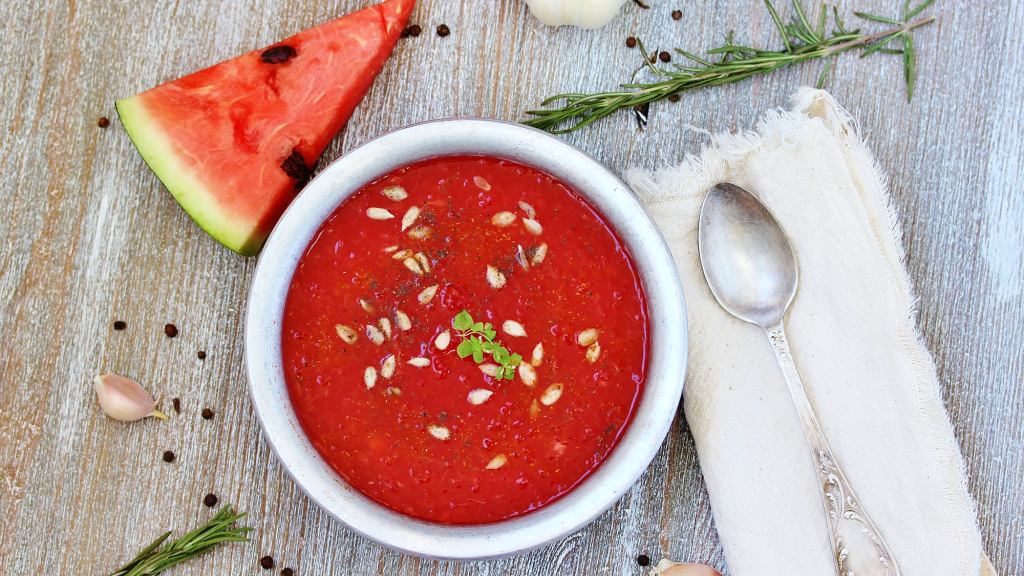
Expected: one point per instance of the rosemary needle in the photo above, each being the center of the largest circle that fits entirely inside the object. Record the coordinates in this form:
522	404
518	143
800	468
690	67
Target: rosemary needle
157	557
803	40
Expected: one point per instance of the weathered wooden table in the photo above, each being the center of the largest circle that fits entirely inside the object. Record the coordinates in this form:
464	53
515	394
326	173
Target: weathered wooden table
88	236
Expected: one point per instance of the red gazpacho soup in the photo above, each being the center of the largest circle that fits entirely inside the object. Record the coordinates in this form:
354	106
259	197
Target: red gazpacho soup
465	339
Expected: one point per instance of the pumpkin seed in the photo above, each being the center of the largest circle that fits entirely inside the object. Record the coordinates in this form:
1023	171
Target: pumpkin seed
374	334
503	219
387	368
532	226
379	214
513	328
538	354
593	352
439	432
527	209
370	377
443	340
427	294
410	216
527	374
348	335
587	337
478	396
481	183
419	362
495	278
551	394
396	193
497	462
539	254
403	320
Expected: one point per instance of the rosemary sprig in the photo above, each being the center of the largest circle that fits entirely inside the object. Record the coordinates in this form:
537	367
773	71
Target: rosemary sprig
802	40
478	339
157	557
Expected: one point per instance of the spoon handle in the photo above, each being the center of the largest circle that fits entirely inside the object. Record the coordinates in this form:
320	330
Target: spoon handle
857	545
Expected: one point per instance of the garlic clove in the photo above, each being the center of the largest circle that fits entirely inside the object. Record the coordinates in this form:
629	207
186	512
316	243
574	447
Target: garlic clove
124	399
669	568
582	13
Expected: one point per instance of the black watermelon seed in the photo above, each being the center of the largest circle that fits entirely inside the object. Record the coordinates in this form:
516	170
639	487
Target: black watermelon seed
170	330
207	414
295	167
278	54
176	402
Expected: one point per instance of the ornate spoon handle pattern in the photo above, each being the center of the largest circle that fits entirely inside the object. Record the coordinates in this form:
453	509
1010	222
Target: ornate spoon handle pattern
857	546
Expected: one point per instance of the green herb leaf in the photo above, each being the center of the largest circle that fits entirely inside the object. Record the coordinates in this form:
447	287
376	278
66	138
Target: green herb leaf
803	41
477	327
510	373
159	556
462	321
465	349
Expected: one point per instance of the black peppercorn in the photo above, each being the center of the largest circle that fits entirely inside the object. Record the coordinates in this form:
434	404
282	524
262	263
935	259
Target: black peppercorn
673	97
201	355
267	562
665	56
443	30
677	14
287	572
643	560
207	414
170	330
103	122
168	456
210	500
631	42
120	325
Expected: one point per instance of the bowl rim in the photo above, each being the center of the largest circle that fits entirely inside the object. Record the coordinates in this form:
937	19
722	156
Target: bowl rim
635	449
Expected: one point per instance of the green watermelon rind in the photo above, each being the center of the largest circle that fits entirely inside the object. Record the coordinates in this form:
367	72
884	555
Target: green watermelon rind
159	153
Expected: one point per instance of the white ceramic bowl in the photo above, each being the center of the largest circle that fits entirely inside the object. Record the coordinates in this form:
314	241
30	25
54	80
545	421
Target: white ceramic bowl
638	445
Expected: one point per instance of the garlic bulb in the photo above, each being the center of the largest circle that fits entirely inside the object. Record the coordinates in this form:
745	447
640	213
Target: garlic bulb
124	399
582	13
669	568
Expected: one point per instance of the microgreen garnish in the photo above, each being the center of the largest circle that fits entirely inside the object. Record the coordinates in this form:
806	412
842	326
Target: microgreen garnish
478	339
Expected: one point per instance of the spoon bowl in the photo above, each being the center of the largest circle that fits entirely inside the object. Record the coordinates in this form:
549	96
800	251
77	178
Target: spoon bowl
747	259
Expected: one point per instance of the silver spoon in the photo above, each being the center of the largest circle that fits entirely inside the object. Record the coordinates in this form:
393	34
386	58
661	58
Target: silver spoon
751	269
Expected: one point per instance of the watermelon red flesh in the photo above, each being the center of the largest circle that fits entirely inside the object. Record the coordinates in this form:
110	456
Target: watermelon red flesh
235	141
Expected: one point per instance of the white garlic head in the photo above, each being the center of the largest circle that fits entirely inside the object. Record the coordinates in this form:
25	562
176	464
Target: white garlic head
582	13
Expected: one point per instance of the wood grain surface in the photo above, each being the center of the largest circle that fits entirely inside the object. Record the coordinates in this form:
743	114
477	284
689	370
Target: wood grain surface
89	236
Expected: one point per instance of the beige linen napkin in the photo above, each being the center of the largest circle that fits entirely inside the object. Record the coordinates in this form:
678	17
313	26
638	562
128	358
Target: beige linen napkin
853	335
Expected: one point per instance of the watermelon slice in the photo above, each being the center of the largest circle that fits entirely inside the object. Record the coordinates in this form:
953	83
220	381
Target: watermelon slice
234	142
